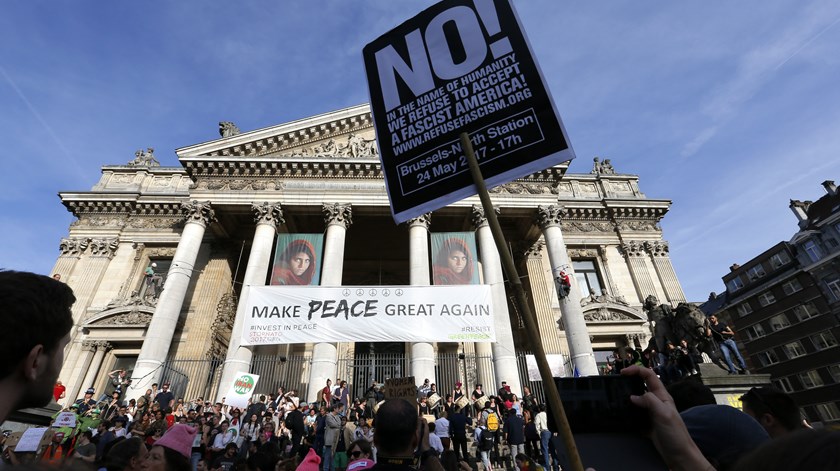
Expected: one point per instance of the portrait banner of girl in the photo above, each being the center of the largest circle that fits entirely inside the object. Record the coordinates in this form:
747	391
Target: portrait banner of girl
297	260
453	260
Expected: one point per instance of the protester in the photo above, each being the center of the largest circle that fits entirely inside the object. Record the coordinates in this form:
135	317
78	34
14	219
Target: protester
127	455
172	452
36	320
398	433
458	432
805	449
775	410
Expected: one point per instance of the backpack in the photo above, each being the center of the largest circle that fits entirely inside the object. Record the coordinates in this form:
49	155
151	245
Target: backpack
486	441
492	422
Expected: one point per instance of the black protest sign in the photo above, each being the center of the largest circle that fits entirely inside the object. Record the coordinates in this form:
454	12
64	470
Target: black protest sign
459	66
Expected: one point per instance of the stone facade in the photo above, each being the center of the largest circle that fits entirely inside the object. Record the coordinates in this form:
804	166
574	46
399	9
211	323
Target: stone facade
211	223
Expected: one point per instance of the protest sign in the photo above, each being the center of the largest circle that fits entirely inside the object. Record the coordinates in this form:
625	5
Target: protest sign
65	419
300	314
241	390
401	388
556	363
459	66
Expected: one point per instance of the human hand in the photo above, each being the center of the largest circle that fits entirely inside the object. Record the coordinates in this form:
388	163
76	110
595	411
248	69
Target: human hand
668	431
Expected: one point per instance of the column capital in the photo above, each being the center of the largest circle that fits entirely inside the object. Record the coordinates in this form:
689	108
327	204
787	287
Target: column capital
94	345
268	213
338	214
479	219
535	249
632	248
657	248
550	215
71	247
199	212
104	247
424	220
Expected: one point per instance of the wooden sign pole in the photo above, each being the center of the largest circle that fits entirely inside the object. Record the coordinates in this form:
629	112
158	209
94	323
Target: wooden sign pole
530	321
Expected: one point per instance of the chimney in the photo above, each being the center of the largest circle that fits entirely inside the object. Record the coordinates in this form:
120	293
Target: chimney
830	187
734	267
800	209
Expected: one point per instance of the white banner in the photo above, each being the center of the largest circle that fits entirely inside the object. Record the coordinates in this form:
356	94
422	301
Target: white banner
241	390
300	314
555	362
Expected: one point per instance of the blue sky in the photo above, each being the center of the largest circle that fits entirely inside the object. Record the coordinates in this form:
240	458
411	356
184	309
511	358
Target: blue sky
729	109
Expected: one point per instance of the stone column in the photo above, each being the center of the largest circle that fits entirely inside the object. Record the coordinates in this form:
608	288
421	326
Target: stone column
543	295
79	370
89	273
504	353
162	327
101	347
580	345
665	271
268	217
634	252
422	353
338	218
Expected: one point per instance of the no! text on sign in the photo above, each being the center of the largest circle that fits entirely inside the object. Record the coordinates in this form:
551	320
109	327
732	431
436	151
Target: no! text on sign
459	66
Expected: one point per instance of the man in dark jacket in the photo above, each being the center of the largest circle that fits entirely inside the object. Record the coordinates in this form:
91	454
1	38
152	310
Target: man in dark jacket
458	431
294	422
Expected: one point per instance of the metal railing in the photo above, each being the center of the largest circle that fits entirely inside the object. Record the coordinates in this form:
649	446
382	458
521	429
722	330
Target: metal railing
192	378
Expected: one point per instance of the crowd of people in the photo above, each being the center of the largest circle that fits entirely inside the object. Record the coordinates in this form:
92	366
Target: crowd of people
161	432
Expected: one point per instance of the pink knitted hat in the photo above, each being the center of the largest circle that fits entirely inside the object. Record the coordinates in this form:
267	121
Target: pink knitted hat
310	463
180	438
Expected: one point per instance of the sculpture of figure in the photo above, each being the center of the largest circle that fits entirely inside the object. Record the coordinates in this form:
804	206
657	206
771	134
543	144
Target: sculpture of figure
607	168
596	167
227	129
144	159
687	322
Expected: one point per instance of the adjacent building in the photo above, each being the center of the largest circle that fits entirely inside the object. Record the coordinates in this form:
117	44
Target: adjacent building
784	305
158	256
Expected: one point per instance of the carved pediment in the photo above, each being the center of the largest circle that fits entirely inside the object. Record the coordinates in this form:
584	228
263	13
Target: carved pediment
344	133
601	312
130	315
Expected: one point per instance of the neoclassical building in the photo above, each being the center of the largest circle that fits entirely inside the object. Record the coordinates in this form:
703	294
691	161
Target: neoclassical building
210	225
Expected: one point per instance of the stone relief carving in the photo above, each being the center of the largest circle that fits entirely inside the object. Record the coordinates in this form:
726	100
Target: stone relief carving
587	226
603	298
161	252
198	211
603	314
551	215
354	146
144	159
638	226
88	220
134	300
129	318
582	253
227	129
338	213
478	216
517	188
602	168
268	213
224	184
146	222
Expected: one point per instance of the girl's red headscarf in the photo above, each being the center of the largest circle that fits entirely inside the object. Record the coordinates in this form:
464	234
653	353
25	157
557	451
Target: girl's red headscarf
441	272
283	274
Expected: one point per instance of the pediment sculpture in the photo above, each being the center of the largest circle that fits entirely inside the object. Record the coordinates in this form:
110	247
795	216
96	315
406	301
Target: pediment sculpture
354	146
144	158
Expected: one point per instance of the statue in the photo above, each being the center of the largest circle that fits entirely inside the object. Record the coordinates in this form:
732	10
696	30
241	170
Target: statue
686	322
227	129
144	158
596	167
607	168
